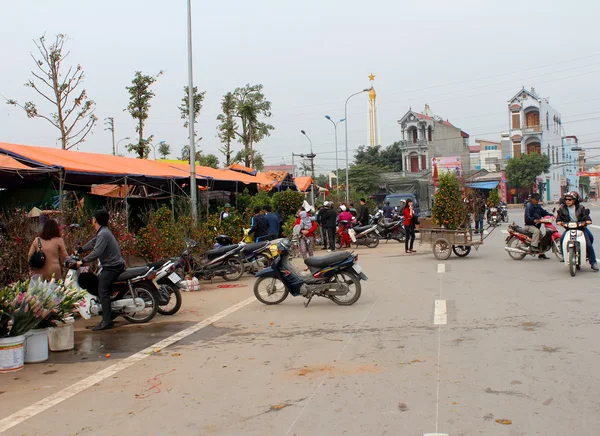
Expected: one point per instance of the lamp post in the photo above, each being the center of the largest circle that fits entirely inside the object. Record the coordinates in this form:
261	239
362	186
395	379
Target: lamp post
311	156
346	138
154	147
124	139
337	166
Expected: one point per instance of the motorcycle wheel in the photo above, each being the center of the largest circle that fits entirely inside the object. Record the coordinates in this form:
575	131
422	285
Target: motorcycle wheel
353	282
372	241
147	293
571	260
399	236
235	269
515	243
461	250
269	290
174	304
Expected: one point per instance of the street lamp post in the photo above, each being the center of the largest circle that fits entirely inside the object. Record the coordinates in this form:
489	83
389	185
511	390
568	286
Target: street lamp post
154	147
337	166
311	156
346	138
124	139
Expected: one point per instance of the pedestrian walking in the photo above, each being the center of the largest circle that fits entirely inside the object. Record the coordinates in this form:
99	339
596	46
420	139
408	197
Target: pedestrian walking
364	213
409	226
328	221
307	235
52	245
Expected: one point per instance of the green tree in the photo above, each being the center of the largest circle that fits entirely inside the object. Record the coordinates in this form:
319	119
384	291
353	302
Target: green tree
73	113
185	153
364	178
257	158
209	160
140	95
449	209
250	106
493	199
387	159
228	126
522	171
288	201
164	150
184	108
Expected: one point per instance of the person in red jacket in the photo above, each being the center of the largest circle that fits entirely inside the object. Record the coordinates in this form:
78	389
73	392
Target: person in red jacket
308	228
409	226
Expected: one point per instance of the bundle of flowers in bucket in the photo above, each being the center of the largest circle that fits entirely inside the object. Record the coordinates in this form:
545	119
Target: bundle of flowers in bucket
60	321
22	309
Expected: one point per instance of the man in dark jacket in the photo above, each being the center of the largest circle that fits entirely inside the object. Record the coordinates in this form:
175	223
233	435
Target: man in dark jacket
328	219
105	248
363	217
533	214
273	223
572	211
260	226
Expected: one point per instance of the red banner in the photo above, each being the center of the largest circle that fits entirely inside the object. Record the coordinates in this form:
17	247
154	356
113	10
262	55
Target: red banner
588	174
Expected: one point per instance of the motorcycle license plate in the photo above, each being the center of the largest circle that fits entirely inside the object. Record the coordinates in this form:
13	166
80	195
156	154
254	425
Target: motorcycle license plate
174	277
356	267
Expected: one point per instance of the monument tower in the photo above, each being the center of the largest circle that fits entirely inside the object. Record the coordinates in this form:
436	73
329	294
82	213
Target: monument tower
374	137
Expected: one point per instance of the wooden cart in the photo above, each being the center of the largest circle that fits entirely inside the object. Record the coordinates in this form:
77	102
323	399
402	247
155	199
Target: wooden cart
445	241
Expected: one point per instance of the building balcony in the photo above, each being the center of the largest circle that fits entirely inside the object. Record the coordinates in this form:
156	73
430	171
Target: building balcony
414	144
532	130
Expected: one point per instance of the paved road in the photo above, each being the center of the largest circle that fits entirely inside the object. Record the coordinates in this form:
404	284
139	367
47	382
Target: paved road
519	344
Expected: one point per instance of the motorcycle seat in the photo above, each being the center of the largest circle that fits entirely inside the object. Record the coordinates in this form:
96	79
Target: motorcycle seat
523	231
158	265
249	248
391	224
327	260
360	229
215	252
131	273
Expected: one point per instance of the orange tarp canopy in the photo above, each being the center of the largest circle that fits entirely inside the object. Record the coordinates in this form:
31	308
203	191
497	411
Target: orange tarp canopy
242	169
7	162
303	183
216	174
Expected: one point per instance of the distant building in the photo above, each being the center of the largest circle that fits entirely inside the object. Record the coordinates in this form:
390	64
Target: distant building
486	155
570	157
426	136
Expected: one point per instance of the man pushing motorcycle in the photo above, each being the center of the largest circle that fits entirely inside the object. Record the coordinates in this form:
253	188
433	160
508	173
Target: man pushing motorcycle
572	211
104	247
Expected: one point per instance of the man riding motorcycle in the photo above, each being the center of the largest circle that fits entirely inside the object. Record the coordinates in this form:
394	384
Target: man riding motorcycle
572	210
533	214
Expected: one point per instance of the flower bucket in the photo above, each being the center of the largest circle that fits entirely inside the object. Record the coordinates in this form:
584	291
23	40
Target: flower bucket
36	346
12	354
62	337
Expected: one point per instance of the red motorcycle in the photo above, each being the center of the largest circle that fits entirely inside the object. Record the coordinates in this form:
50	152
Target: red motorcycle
518	241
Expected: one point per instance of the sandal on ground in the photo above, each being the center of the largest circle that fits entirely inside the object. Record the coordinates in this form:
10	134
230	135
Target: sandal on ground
408	252
413	251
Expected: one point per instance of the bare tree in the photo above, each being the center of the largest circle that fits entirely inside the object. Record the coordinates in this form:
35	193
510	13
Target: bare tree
74	111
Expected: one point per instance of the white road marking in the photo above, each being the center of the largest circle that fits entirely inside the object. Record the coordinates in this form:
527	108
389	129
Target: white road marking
435	434
440	315
504	232
441	268
51	401
594	226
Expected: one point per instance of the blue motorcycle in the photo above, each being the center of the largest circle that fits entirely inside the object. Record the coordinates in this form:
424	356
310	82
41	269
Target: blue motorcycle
336	276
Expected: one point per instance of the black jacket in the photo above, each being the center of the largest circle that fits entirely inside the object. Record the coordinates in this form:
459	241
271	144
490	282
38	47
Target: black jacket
364	215
328	218
564	217
534	212
260	227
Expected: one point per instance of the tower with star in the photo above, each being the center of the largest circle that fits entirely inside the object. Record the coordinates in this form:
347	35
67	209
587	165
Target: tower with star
373	117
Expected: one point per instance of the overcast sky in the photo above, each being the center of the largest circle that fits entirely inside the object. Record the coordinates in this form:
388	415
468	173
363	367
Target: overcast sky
464	58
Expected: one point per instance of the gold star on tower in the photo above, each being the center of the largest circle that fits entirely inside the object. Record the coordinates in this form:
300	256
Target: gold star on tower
371	77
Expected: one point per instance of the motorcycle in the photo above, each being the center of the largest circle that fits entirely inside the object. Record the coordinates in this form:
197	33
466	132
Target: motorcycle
518	240
574	246
392	230
255	256
168	284
493	216
335	276
360	235
133	294
503	212
221	262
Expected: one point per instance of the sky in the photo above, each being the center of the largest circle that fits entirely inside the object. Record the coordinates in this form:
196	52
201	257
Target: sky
464	58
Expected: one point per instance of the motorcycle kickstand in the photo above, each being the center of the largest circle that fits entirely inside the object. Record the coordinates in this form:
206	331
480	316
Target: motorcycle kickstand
309	298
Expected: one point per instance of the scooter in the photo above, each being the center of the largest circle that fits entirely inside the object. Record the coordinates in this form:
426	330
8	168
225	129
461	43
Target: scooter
220	262
336	276
133	297
168	284
255	255
518	240
493	217
392	230
574	246
364	235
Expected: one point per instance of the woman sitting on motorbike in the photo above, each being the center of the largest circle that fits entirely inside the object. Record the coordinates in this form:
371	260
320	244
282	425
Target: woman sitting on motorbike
345	219
573	211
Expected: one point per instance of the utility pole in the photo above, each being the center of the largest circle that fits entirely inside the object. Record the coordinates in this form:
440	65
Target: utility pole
110	122
191	117
310	156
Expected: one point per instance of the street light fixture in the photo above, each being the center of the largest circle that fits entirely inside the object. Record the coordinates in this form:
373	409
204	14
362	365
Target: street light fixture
337	166
346	138
124	139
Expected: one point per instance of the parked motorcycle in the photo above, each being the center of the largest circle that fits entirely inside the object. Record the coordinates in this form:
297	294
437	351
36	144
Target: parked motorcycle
518	240
133	297
574	246
168	284
255	255
220	262
360	235
335	276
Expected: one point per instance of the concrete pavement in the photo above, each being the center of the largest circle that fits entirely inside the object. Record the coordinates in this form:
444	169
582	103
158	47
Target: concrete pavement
519	346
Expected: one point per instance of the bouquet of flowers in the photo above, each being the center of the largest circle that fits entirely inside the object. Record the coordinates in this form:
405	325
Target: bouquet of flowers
70	300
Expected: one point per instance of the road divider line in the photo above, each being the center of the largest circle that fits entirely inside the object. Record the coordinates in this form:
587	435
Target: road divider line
594	226
440	314
70	391
441	268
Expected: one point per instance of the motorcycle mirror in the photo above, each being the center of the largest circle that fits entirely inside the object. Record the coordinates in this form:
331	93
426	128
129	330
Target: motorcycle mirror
553	209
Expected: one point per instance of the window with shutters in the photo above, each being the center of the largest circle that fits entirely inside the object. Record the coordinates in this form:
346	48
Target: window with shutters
516	149
516	120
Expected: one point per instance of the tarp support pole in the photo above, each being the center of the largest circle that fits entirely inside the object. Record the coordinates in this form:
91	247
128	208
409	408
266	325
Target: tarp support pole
60	189
171	182
126	206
